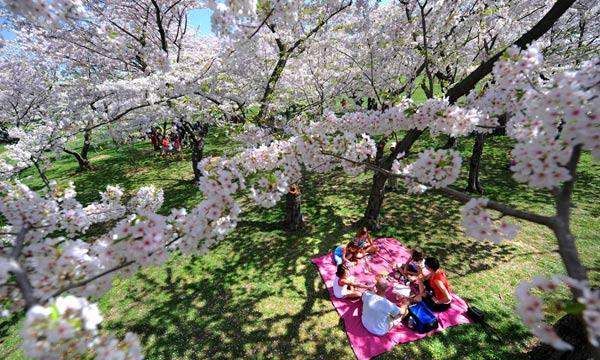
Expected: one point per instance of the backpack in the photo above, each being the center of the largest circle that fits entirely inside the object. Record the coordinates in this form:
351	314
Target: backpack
475	314
421	319
338	254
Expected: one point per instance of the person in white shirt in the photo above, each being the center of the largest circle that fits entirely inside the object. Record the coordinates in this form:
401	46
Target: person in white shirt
345	286
379	315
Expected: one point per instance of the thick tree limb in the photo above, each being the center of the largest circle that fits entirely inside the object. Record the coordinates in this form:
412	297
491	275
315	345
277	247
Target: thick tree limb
161	30
537	31
461	196
566	242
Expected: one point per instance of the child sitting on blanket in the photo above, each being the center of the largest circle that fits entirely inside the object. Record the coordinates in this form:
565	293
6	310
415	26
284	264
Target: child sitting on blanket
345	286
414	266
360	246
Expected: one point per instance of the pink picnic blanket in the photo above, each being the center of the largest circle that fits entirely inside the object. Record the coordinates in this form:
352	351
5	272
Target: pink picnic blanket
365	344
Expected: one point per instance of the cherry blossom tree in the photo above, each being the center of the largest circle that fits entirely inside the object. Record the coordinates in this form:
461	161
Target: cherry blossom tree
49	270
126	65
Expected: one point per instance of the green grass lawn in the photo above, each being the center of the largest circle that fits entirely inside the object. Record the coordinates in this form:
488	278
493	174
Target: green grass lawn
256	295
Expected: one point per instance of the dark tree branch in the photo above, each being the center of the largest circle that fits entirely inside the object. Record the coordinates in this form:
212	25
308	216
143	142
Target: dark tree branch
460	196
540	28
161	30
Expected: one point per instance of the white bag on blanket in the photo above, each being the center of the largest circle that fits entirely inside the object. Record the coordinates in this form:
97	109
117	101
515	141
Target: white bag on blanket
401	290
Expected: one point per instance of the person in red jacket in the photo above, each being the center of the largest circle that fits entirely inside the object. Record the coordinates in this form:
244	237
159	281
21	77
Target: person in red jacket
165	145
438	296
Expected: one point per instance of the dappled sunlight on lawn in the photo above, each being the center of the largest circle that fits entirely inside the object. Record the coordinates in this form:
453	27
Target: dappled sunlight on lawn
256	294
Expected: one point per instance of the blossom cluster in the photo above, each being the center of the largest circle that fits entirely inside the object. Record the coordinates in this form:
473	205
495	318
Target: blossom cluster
31	148
437	115
478	223
546	118
512	76
268	190
69	325
55	264
436	168
354	150
531	311
46	12
254	135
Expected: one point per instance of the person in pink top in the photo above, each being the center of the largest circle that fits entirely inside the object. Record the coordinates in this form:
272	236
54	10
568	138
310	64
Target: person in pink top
165	145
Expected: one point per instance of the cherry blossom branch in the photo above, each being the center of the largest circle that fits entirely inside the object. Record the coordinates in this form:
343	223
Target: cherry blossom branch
468	83
89	280
104	273
284	55
425	46
318	26
264	20
161	30
17	270
460	196
538	30
41	173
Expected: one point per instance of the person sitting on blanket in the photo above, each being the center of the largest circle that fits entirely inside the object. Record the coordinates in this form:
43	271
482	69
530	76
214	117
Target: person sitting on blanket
414	266
345	286
379	315
361	245
437	294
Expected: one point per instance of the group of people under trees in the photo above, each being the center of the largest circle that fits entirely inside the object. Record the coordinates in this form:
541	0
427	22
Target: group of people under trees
168	143
427	281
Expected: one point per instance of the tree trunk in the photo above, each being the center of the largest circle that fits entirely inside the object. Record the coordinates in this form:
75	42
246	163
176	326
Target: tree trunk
84	164
371	217
82	158
197	138
87	142
293	213
570	328
562	229
474	186
273	79
450	143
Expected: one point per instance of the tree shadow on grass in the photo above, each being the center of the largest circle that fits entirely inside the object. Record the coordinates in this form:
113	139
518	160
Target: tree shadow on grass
431	222
258	296
478	341
224	308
